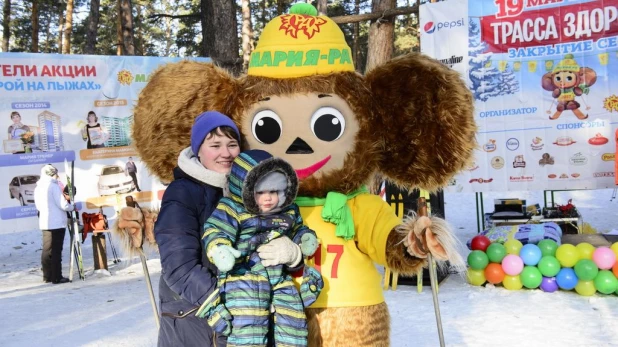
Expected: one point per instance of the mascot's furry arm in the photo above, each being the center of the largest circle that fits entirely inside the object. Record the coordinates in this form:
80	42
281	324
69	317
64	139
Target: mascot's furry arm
134	227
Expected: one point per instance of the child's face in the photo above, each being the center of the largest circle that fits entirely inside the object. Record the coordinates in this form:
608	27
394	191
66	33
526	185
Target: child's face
267	200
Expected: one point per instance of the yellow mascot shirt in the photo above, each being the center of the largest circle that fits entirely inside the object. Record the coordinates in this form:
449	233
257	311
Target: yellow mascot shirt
347	267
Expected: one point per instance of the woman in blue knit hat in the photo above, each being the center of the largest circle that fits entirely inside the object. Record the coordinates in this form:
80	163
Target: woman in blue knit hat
187	276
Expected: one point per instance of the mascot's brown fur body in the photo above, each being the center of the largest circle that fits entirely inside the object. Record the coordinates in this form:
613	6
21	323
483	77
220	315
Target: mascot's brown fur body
411	120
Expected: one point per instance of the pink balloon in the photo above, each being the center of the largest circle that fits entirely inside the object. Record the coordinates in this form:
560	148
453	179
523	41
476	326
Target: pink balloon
512	265
604	258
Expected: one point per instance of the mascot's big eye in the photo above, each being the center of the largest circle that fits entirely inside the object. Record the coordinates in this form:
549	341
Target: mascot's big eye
266	127
327	124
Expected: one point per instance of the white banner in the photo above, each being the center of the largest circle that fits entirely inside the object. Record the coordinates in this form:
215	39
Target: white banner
444	33
543	75
74	108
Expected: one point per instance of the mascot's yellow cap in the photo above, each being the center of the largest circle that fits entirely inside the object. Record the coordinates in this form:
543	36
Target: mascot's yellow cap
300	44
567	64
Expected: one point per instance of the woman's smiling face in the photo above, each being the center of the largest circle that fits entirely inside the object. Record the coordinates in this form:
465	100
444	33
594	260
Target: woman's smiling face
217	152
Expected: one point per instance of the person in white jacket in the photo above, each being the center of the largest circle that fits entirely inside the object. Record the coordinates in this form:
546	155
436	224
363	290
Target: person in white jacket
52	207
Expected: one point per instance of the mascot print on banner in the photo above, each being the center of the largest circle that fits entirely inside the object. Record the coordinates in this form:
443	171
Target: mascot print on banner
565	82
410	119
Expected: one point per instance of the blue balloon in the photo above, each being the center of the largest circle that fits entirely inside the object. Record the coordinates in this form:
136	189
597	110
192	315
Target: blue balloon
566	278
530	254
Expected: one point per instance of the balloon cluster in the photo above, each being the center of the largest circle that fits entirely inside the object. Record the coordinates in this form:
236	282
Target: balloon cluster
546	265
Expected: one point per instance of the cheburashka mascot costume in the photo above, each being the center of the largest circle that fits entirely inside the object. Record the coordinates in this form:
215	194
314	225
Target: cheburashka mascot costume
410	119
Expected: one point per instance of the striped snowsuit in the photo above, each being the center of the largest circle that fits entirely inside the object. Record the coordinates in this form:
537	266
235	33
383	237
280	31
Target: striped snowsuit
249	289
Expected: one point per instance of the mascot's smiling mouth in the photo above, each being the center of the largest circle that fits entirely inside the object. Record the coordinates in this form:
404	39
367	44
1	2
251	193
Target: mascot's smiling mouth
310	170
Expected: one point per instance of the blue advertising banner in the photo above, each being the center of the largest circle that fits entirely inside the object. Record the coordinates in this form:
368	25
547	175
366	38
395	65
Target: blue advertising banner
543	75
74	108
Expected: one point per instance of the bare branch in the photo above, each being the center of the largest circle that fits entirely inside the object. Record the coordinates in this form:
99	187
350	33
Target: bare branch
178	16
375	15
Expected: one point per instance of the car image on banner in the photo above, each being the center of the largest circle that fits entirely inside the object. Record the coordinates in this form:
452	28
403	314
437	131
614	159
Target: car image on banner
22	188
114	180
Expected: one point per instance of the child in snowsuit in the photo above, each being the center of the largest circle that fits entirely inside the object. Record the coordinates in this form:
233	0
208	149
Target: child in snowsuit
259	209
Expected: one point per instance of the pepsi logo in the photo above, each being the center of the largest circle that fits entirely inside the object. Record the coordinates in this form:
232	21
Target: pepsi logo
429	27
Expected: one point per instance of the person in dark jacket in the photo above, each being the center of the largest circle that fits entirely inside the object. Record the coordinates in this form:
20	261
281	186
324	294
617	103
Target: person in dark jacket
187	276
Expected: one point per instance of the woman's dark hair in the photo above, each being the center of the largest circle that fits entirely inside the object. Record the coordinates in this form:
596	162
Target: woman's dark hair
96	119
15	113
224	130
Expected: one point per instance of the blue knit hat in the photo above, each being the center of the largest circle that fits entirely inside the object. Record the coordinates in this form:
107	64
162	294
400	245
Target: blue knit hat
207	122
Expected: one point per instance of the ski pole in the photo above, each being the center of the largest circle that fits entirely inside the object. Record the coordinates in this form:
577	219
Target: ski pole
150	291
422	211
132	203
111	244
70	222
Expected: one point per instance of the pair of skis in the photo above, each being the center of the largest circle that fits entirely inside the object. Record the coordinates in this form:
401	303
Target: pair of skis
76	248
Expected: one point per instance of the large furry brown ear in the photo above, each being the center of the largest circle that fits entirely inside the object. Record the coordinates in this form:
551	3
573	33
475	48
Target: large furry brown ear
426	121
175	94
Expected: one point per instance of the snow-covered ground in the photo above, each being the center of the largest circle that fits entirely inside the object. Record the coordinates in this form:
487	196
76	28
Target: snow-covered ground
116	311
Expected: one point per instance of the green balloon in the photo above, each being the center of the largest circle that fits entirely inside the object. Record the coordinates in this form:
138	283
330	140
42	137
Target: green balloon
478	260
606	282
586	269
531	277
548	247
496	252
549	266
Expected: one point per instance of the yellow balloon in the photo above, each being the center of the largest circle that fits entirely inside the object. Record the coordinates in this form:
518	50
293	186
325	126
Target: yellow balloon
585	288
476	277
614	248
512	282
567	255
585	250
513	246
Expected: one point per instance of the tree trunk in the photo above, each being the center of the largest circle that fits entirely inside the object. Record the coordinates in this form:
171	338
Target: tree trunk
48	42
6	20
139	41
93	24
355	48
280	6
322	7
263	5
381	33
34	18
126	20
169	40
68	28
207	27
60	30
247	34
221	35
119	44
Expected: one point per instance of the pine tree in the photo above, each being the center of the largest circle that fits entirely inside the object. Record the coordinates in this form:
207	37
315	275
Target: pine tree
485	80
508	83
